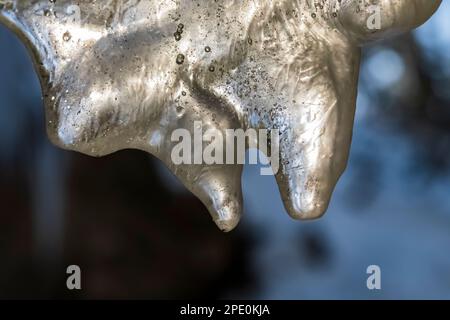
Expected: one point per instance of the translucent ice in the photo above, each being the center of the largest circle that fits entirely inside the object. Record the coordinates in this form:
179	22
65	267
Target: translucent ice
121	74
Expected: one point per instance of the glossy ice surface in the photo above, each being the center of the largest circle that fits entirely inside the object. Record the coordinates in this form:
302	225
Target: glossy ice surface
119	74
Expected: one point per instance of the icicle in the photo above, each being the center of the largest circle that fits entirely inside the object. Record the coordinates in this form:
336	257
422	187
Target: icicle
128	74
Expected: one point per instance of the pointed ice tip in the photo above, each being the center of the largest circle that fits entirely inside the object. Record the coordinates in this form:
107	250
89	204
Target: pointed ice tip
227	225
305	215
228	215
306	208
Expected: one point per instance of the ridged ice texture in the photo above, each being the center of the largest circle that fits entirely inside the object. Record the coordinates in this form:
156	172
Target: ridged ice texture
120	74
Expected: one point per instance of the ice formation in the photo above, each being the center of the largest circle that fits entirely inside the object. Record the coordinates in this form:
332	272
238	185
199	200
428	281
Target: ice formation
119	74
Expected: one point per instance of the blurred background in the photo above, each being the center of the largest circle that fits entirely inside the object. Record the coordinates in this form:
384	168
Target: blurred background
137	233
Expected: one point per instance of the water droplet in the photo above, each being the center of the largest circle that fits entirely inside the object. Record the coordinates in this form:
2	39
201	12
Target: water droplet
207	49
212	68
66	36
180	110
180	58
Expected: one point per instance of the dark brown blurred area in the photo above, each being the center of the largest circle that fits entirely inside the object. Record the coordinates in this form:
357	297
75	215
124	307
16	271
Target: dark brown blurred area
130	236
